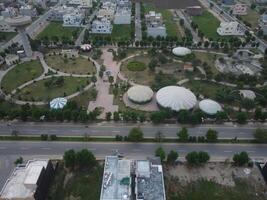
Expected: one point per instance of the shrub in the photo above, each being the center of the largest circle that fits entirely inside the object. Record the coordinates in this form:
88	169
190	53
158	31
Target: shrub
241	158
136	66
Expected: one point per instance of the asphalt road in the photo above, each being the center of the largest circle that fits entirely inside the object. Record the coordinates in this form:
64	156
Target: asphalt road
10	151
138	26
113	129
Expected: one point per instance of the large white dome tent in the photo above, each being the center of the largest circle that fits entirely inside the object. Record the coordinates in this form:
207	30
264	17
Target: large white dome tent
140	94
176	98
209	106
58	103
181	51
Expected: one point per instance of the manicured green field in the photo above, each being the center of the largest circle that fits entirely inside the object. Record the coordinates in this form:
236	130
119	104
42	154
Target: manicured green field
84	98
77	65
121	32
207	24
55	29
136	66
40	92
20	74
82	185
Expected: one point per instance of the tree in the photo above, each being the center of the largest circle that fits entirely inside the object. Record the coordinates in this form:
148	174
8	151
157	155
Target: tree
93	79
160	153
108	116
260	135
85	159
172	157
241	158
211	135
192	158
111	79
159	136
183	134
158	116
241	117
69	158
18	161
135	135
203	157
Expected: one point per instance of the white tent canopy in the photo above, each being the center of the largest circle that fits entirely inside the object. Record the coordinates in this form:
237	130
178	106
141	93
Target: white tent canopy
209	106
176	98
140	93
58	103
181	51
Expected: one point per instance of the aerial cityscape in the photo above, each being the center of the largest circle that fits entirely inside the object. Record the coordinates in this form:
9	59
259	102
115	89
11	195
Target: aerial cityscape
133	100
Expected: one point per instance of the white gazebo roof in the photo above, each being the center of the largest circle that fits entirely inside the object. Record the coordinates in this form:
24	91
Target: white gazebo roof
58	103
181	51
140	93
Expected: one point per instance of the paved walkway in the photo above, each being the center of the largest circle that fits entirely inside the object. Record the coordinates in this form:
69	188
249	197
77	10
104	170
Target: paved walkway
104	99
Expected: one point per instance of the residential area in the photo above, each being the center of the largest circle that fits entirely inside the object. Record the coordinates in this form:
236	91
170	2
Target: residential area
133	99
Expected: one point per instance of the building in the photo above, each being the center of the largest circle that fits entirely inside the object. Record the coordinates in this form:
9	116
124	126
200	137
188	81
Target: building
149	180
70	53
41	3
194	10
11	59
81	3
116	183
122	16
181	51
28	11
228	2
263	23
209	106
140	94
229	28
105	13
74	19
155	26
239	9
102	26
188	66
57	13
4	27
29	181
9	12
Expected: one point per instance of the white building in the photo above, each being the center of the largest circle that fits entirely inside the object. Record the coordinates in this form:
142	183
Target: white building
122	16
58	12
4	27
263	23
9	12
105	13
24	181
102	26
155	26
239	9
82	3
74	19
11	59
28	11
229	28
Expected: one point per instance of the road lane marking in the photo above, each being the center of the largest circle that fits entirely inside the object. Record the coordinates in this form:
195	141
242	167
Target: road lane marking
116	131
45	148
3	148
24	148
227	151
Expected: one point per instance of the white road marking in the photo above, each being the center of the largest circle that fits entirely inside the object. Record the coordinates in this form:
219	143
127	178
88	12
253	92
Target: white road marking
3	148
116	131
46	148
227	151
24	148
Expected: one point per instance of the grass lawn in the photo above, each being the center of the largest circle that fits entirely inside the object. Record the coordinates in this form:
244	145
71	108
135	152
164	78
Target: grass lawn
136	66
77	65
145	77
6	36
82	185
210	191
84	98
121	32
208	24
208	89
209	58
39	92
20	74
172	28
56	29
252	17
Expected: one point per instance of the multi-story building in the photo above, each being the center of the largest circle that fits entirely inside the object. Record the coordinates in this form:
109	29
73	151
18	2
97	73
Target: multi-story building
239	9
102	26
122	16
106	13
4	27
9	12
74	19
230	28
81	3
263	23
28	11
29	181
58	12
155	25
11	59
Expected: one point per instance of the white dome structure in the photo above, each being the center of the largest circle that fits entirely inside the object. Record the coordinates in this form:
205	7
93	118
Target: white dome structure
209	106
181	51
58	103
176	98
140	94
